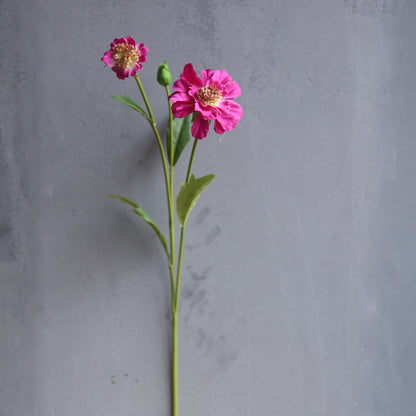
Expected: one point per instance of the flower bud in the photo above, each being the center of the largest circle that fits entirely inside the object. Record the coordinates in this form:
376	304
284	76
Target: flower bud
164	77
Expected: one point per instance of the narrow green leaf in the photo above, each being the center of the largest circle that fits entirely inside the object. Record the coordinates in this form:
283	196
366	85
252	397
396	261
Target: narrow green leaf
189	194
143	214
181	136
132	104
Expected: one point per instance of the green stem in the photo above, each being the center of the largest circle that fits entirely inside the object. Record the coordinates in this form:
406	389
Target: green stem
171	207
169	183
175	305
146	101
161	150
178	275
191	160
175	364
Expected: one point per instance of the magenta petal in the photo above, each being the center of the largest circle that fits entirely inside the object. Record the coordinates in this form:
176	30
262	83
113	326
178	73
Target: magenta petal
206	75
120	73
181	85
142	52
108	58
230	115
218	127
200	127
221	76
207	112
118	41
130	40
227	122
231	90
182	109
232	109
180	96
190	75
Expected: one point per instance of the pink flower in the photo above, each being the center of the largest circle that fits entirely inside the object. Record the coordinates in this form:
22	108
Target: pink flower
125	57
211	96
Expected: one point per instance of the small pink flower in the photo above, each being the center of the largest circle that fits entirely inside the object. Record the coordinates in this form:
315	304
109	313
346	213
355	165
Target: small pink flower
125	57
211	96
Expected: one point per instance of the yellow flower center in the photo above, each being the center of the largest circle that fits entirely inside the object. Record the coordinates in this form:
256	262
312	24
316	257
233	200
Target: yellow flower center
125	56
210	95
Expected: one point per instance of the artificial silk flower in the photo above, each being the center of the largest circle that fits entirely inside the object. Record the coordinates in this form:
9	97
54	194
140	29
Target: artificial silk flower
211	97
125	57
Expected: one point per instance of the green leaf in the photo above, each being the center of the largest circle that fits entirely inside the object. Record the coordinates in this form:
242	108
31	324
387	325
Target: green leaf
181	136
128	101
189	194
143	214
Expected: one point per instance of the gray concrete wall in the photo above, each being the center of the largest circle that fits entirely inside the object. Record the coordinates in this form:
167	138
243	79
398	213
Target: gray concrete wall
299	270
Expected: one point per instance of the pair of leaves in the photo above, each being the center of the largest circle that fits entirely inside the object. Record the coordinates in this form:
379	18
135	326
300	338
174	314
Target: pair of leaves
185	201
132	104
145	216
181	137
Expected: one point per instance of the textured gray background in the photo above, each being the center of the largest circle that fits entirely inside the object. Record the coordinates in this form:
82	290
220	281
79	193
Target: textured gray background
299	269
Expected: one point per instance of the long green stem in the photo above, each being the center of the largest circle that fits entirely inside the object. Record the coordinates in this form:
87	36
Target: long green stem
171	207
175	305
146	101
178	274
191	160
174	363
169	183
175	288
159	140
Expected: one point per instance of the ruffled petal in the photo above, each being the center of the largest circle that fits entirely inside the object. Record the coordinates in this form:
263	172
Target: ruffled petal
180	96
218	127
231	90
181	85
231	108
207	112
221	76
117	41
108	58
141	47
190	75
120	73
230	115
200	127
129	40
183	108
206	75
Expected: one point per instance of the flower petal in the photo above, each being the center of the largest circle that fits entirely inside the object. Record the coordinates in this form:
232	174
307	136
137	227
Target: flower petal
230	115
181	85
231	90
180	96
221	76
142	52
117	42
190	75
120	73
218	127
206	75
183	108
200	127
108	58
129	40
207	112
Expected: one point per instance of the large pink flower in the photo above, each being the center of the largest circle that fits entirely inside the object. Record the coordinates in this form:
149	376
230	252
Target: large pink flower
211	96
125	57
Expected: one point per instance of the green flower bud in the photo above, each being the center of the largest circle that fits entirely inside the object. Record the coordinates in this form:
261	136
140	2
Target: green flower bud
164	77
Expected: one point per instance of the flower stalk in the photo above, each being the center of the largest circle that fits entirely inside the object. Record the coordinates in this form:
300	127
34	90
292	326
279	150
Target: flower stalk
175	287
